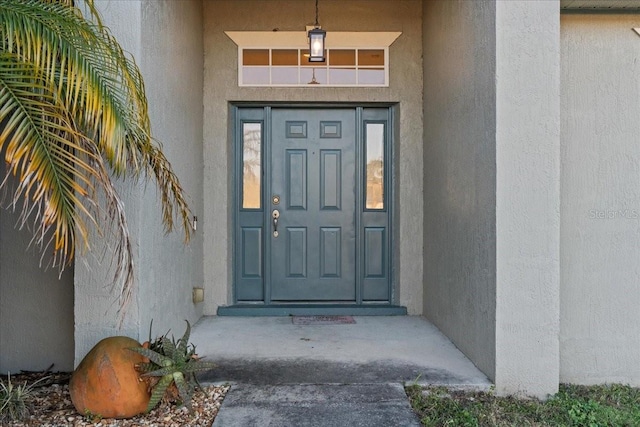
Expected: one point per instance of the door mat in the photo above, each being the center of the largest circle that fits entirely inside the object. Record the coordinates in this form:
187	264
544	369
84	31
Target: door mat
323	320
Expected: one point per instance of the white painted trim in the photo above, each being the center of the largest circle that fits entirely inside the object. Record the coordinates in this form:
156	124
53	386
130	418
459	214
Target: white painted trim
298	39
637	30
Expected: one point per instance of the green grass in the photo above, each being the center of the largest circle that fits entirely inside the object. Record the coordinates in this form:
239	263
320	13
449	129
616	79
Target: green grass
606	405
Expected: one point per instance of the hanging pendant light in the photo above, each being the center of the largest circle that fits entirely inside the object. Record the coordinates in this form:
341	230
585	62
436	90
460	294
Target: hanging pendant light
316	41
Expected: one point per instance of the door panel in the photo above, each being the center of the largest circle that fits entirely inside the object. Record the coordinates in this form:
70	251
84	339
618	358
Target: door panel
330	179
251	254
374	253
313	174
295	246
296	179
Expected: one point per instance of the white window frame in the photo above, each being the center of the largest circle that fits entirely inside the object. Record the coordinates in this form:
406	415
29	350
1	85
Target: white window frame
270	40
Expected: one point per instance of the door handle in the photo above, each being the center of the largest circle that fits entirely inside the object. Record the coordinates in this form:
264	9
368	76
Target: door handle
275	215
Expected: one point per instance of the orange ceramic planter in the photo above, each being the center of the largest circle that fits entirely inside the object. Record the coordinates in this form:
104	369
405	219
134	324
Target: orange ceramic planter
106	383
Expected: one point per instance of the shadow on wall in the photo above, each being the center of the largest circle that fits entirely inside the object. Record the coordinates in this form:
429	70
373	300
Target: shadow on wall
36	305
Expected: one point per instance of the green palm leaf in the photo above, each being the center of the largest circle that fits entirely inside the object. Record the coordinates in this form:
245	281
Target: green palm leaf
73	110
45	152
92	74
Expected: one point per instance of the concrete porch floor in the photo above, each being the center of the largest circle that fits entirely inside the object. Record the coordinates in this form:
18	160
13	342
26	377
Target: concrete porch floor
376	349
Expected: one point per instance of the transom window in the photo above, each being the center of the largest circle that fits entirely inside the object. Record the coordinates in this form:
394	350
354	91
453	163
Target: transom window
291	67
274	59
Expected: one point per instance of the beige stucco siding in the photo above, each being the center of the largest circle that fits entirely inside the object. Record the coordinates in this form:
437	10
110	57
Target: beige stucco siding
527	196
221	88
166	40
459	158
600	250
492	186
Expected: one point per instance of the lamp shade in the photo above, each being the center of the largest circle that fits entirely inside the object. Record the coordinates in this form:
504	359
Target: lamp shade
316	44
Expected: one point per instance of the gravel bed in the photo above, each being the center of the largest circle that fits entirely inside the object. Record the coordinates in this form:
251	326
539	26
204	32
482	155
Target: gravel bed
51	407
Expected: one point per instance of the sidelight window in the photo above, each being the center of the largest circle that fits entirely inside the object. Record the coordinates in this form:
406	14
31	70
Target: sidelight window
251	165
374	167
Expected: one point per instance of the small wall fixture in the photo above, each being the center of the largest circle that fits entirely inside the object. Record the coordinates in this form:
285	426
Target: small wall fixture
198	295
316	41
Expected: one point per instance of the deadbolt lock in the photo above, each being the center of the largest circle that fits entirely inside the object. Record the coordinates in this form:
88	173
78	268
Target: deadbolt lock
275	200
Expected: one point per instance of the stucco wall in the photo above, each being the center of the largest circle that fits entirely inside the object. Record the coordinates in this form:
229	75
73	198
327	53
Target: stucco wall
172	62
220	83
166	40
95	302
527	196
492	186
600	250
459	171
36	308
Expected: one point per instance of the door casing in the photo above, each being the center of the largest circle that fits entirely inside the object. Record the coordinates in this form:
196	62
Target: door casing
252	228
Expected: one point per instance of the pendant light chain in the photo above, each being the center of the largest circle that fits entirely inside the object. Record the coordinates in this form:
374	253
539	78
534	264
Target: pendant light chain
317	14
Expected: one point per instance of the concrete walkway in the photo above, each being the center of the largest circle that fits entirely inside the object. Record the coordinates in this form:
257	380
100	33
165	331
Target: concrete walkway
316	405
315	374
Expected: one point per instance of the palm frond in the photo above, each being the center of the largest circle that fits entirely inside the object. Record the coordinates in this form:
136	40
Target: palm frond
73	111
47	154
85	65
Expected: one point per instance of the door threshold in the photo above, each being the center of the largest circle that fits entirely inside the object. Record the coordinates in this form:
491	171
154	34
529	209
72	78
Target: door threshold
311	310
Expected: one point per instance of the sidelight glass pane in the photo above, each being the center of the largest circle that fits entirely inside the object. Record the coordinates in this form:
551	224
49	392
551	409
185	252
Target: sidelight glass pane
251	165
374	173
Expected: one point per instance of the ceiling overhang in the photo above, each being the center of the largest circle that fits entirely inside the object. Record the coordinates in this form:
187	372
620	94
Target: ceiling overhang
279	39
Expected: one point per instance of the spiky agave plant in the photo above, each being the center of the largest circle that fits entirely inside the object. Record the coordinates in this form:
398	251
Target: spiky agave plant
171	369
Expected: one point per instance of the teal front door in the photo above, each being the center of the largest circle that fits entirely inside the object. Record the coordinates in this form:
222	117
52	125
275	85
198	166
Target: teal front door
312	211
313	186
